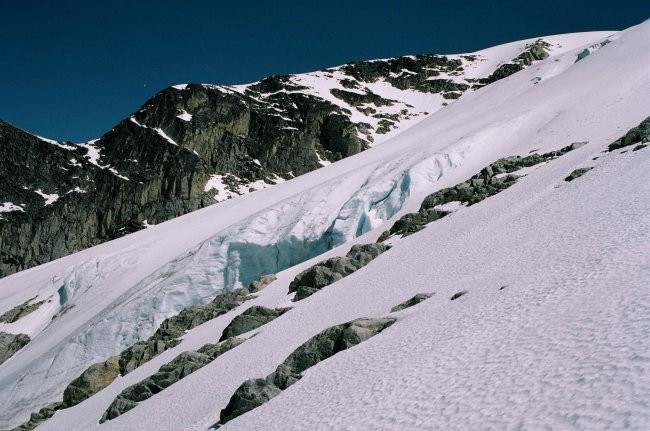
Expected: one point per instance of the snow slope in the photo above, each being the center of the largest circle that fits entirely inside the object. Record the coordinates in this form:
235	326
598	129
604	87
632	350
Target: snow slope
565	337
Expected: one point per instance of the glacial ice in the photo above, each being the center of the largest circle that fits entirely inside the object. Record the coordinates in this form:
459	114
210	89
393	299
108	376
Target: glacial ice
375	186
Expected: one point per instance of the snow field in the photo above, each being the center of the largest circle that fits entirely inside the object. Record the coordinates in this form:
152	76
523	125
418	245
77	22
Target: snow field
530	234
574	298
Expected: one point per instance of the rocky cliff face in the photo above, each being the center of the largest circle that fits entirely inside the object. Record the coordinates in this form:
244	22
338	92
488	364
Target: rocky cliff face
192	145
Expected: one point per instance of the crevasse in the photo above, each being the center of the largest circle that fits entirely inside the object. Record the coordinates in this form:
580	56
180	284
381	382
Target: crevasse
284	235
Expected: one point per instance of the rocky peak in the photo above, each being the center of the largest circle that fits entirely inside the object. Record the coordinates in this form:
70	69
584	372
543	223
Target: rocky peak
192	145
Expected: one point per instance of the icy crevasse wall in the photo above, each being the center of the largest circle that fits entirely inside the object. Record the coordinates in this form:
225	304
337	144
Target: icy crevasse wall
246	262
278	238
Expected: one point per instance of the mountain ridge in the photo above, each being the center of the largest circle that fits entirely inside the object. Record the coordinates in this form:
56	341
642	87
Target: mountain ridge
192	145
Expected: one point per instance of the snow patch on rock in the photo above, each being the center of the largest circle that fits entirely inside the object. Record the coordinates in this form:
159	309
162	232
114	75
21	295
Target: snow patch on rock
185	116
49	198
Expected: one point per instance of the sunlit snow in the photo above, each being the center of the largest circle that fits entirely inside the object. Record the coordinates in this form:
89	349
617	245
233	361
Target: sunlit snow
49	198
561	346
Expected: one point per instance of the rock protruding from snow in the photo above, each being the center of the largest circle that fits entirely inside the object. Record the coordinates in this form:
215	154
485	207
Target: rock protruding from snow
20	311
457	295
415	300
534	52
100	375
261	283
10	344
493	179
37	418
92	380
577	173
255	392
332	270
636	135
174	327
250	319
183	365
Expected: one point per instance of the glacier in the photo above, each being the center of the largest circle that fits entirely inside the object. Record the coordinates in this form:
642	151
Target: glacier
529	237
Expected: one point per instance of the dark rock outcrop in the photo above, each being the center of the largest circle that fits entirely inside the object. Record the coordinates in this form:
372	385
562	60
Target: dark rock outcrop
491	180
180	367
250	319
154	166
166	336
577	173
37	418
535	51
411	302
255	392
20	311
92	380
10	344
457	295
637	135
332	270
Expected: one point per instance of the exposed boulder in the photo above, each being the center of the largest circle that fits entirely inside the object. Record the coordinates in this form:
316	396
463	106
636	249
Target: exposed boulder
20	311
332	270
412	301
637	135
250	319
255	392
457	295
180	367
534	52
250	395
577	173
355	99
92	380
10	344
37	418
334	340
261	283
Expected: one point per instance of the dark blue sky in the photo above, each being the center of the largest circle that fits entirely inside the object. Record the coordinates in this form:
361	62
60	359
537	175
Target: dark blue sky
70	70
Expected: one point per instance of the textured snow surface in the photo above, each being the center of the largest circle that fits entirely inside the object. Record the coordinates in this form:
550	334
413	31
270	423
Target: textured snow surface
563	346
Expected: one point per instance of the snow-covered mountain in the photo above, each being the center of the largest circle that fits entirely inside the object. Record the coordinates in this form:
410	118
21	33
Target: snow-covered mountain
192	145
515	217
